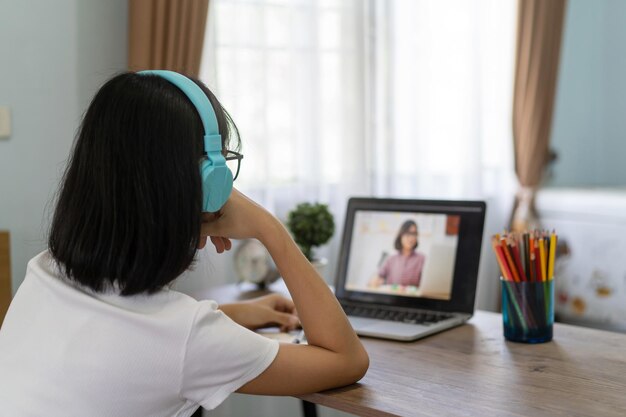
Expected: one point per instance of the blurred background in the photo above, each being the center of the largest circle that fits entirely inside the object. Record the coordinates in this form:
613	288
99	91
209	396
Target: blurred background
456	99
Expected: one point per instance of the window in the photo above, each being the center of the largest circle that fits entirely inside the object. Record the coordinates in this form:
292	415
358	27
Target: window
291	74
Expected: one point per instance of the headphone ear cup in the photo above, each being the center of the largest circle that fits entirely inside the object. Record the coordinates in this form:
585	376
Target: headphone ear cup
217	184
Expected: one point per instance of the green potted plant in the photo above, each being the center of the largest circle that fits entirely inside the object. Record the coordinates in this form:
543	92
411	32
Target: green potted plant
311	225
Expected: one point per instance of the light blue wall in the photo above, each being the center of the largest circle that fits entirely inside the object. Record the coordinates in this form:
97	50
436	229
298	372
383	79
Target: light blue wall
54	54
589	127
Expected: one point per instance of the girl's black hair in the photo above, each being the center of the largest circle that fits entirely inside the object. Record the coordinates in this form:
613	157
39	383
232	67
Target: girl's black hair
129	207
403	229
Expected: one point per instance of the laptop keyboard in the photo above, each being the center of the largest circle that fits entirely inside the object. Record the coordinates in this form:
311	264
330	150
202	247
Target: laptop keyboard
378	312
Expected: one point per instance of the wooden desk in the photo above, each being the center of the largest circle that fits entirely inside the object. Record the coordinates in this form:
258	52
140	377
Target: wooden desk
471	370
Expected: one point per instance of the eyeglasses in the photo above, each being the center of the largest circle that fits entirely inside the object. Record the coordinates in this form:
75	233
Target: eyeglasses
233	162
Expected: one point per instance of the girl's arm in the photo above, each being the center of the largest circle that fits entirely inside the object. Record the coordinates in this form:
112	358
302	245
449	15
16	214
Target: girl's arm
334	355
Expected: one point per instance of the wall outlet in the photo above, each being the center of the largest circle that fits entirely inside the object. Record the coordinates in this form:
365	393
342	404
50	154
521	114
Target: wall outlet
5	122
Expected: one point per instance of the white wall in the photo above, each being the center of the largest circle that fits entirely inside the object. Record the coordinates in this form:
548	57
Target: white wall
53	56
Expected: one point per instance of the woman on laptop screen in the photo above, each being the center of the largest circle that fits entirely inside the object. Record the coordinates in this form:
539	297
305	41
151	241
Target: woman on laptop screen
405	267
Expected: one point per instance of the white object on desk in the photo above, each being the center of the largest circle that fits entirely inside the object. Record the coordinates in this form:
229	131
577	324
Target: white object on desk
284	337
254	264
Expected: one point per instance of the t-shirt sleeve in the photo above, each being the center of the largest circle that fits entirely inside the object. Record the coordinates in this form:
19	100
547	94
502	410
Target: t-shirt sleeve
221	356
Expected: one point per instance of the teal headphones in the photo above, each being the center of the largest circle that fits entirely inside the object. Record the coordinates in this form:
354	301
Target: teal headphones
217	180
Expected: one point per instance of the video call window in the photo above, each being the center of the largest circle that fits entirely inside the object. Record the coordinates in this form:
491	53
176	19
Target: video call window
405	254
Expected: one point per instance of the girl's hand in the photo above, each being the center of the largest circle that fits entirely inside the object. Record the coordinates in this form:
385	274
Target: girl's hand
221	244
267	311
240	218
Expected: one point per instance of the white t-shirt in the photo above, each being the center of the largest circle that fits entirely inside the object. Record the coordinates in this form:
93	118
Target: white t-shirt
68	351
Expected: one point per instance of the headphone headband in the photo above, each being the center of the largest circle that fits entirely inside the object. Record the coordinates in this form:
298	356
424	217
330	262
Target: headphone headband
200	101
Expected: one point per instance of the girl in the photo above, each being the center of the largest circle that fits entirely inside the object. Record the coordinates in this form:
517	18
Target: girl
95	330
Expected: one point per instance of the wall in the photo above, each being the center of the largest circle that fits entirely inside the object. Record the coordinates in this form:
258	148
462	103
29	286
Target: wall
54	56
589	123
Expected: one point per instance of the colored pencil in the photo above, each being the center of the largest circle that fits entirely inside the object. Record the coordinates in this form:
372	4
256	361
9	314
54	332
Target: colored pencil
531	259
517	259
504	268
509	259
552	256
542	258
537	262
527	252
520	315
522	254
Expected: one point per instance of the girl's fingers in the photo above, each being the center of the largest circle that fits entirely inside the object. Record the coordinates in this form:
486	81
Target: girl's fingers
221	243
218	243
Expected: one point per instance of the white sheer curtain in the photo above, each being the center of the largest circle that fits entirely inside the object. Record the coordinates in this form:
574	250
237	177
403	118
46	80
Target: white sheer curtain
404	98
442	97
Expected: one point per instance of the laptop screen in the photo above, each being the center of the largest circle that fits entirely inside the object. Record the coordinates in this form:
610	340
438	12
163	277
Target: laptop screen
403	253
417	253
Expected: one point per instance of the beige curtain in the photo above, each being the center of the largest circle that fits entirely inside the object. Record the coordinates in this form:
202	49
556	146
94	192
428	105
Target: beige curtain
166	34
539	32
5	274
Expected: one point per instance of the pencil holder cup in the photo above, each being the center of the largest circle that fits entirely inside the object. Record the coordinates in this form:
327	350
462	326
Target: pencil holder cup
528	310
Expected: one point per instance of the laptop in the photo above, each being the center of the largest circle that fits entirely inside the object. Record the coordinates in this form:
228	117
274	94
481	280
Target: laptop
409	268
